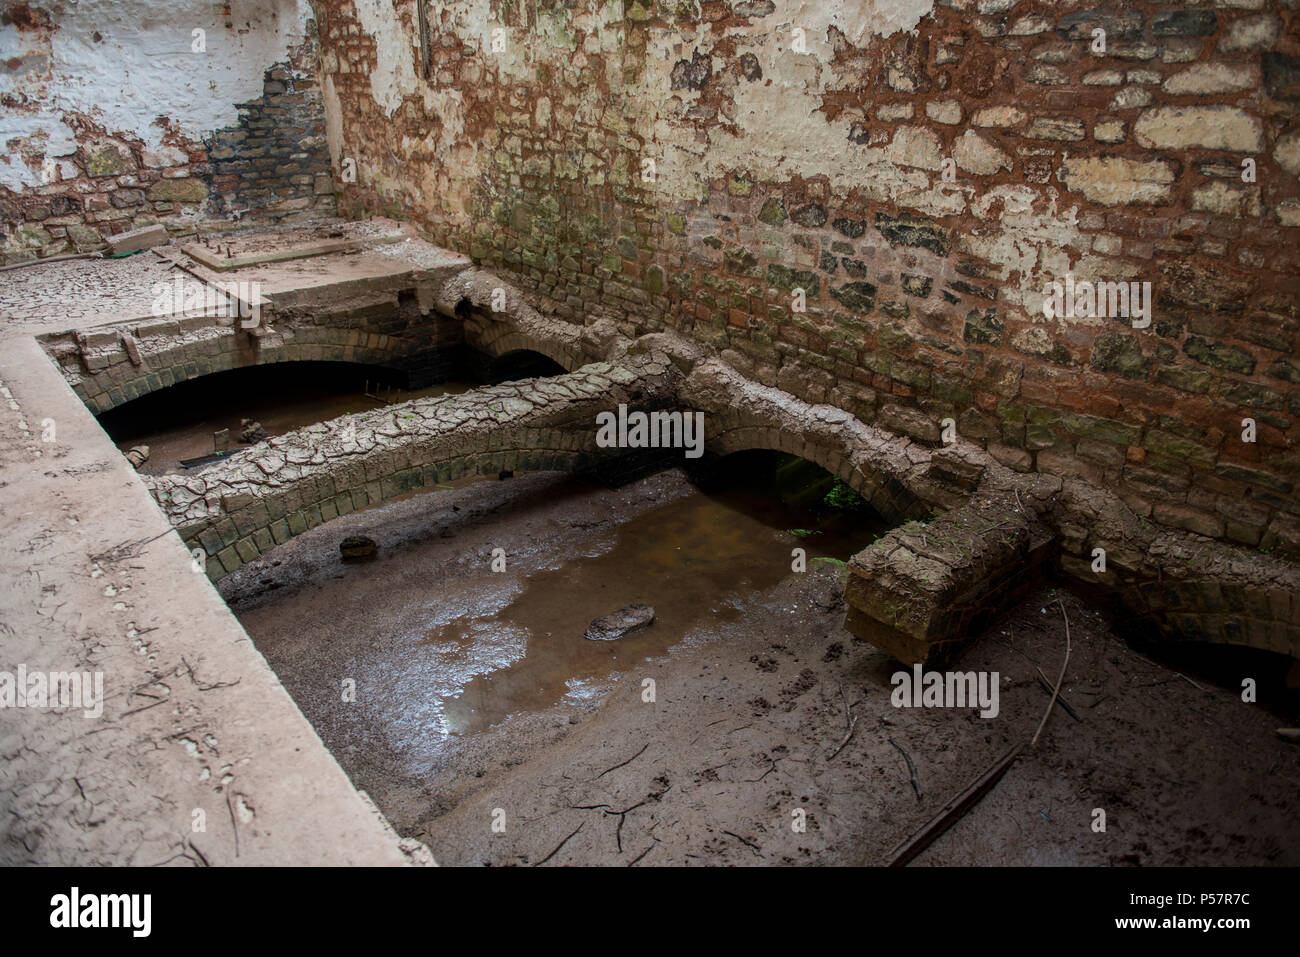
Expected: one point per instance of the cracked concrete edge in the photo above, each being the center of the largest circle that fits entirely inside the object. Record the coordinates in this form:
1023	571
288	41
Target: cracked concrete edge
194	720
416	851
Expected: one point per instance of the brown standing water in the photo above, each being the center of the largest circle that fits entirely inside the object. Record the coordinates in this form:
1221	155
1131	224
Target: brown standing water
695	560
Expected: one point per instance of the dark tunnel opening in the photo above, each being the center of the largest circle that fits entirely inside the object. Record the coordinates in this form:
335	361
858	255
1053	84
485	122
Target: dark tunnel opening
792	494
181	423
520	364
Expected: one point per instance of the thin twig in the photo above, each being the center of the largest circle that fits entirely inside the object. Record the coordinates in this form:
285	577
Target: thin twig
850	720
128	549
1056	691
749	844
189	670
622	817
202	857
911	768
127	714
234	825
621	763
953	810
636	859
848	735
1047	686
560	845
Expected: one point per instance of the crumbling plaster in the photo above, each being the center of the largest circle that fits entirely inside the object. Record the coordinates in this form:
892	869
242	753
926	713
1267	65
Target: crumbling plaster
777	128
130	67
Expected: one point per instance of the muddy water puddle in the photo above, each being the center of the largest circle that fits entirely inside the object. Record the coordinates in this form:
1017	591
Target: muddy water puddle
695	561
455	649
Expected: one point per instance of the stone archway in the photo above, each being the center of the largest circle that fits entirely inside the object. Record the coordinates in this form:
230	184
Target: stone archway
125	373
497	340
247	504
890	498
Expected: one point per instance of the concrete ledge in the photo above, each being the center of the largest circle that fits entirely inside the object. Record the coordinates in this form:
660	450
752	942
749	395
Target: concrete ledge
195	726
379	314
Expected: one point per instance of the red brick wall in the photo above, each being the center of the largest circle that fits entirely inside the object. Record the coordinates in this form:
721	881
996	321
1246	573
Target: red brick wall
923	297
272	165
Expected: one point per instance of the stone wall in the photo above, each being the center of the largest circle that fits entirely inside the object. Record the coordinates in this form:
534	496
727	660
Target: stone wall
117	118
274	165
920	170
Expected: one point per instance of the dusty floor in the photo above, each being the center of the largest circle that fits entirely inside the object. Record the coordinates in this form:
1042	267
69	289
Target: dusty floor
463	719
77	293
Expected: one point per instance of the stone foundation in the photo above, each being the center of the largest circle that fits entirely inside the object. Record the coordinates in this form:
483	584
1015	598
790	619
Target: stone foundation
974	534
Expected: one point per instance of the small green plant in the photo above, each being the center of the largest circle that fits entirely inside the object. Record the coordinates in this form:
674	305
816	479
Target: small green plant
843	497
896	612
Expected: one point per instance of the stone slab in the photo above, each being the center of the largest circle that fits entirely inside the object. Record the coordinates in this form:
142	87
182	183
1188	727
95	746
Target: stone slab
137	239
195	725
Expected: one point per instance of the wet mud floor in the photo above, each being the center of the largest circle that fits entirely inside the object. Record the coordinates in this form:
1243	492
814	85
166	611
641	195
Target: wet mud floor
478	701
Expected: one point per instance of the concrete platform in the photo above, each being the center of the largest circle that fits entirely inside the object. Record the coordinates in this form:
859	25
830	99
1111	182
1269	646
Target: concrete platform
54	297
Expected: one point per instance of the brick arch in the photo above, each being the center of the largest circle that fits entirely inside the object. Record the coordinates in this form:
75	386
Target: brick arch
250	525
889	497
169	362
244	505
1218	611
497	340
